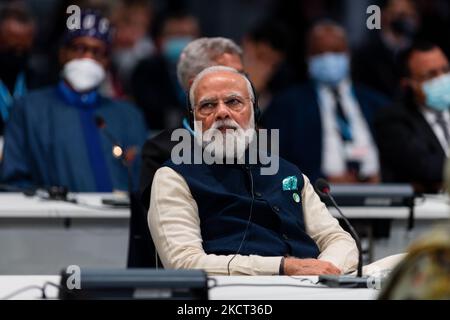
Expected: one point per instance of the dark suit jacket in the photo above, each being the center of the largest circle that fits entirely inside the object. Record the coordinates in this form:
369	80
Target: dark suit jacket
409	150
295	112
141	250
155	152
34	80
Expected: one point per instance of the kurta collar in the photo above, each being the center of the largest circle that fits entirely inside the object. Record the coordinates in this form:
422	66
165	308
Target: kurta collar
80	100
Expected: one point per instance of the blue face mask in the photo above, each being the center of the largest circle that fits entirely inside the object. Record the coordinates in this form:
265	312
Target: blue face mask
329	68
173	47
437	93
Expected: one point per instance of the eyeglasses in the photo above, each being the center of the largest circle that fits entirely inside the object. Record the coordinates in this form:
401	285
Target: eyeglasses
209	106
81	49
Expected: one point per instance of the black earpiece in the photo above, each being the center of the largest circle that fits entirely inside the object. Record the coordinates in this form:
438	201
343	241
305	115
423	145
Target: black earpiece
190	110
256	109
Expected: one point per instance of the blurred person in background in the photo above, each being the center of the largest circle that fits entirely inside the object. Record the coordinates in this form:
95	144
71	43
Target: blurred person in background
16	40
265	47
65	135
374	63
154	83
131	42
434	17
413	137
326	124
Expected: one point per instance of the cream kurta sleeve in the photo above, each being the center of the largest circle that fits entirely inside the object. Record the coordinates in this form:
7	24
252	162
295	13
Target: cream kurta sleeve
175	228
335	245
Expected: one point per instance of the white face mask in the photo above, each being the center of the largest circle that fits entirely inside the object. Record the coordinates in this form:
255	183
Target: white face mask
83	74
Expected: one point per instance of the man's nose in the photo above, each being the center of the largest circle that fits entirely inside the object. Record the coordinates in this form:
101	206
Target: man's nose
88	54
223	112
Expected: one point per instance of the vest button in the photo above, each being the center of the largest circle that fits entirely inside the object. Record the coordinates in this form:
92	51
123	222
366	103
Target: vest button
258	194
276	209
285	237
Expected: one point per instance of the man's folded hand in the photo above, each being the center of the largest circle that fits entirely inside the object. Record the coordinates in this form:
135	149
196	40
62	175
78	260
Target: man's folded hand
309	267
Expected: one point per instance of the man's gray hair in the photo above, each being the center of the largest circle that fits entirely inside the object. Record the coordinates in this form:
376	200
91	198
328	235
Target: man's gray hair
216	69
201	54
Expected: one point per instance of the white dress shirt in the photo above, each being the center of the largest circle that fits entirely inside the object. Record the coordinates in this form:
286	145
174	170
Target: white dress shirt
431	117
175	228
335	152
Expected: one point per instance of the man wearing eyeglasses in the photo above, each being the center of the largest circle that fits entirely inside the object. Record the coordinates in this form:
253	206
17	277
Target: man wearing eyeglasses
228	218
196	56
64	135
414	136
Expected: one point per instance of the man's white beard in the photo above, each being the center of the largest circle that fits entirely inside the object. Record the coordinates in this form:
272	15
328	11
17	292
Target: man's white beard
229	145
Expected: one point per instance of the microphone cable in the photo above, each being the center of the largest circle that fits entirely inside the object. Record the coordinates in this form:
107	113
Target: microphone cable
250	174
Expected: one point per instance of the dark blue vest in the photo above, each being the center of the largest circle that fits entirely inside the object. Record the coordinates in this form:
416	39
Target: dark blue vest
223	196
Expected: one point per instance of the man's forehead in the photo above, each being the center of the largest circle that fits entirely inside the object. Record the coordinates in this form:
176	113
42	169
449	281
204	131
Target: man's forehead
424	61
221	82
89	41
328	37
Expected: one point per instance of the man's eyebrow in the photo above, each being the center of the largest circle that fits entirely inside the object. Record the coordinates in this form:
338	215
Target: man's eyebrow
215	98
234	95
207	99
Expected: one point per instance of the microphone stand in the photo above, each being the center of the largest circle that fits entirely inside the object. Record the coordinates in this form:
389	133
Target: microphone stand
352	232
343	281
130	178
121	154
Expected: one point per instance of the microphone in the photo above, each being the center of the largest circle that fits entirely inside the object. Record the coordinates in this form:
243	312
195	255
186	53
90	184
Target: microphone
323	189
117	150
118	153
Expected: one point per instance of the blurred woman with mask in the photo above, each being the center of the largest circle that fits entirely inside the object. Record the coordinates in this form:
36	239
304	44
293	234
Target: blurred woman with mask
154	82
131	43
375	62
65	135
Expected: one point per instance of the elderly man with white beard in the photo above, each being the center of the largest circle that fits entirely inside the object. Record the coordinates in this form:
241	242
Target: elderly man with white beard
224	140
229	219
